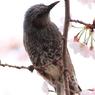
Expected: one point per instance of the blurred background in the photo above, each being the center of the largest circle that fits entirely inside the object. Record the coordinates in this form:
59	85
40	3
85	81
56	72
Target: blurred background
23	82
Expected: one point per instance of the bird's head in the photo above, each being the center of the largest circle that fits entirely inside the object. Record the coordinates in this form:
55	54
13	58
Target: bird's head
38	15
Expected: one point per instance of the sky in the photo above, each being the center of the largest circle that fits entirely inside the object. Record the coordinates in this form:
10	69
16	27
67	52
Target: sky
23	82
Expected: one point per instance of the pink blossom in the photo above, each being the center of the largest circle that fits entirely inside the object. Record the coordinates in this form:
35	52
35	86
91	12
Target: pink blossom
45	88
62	21
86	92
88	2
92	89
76	39
91	52
93	1
22	55
79	48
91	48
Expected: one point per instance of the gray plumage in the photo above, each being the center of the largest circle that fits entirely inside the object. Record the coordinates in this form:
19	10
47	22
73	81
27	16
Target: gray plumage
42	41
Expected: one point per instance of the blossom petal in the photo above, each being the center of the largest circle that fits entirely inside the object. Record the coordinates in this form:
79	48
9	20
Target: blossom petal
93	54
87	2
86	92
81	48
45	88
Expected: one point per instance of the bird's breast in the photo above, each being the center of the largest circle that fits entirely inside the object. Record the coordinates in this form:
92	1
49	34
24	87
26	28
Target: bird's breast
37	23
53	70
41	44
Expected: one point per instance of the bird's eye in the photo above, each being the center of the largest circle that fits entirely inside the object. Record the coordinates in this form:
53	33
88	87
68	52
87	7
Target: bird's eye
39	15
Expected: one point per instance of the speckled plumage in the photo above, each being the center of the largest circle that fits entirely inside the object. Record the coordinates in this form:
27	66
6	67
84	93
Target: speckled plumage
41	40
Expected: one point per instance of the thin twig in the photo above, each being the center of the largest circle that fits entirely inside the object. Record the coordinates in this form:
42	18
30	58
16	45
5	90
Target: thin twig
30	68
77	21
13	66
91	26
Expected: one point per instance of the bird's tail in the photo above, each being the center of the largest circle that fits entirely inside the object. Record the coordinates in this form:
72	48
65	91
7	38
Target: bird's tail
60	88
72	80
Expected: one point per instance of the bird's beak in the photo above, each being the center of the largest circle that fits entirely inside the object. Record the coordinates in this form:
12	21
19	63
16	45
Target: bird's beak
52	5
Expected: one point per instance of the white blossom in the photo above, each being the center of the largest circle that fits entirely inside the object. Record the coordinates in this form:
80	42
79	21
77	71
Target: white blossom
87	2
86	92
45	88
79	47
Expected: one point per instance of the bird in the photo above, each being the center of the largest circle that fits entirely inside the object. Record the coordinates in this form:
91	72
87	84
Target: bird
43	43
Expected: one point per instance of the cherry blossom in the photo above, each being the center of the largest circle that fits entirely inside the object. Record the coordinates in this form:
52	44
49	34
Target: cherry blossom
79	47
45	88
92	53
83	42
93	1
87	2
87	92
61	26
76	39
92	89
82	48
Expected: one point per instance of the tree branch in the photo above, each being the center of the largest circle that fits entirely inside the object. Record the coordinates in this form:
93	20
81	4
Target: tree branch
65	31
30	68
91	26
64	48
13	66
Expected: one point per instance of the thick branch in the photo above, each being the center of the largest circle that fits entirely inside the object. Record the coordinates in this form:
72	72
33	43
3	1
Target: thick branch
65	31
65	35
